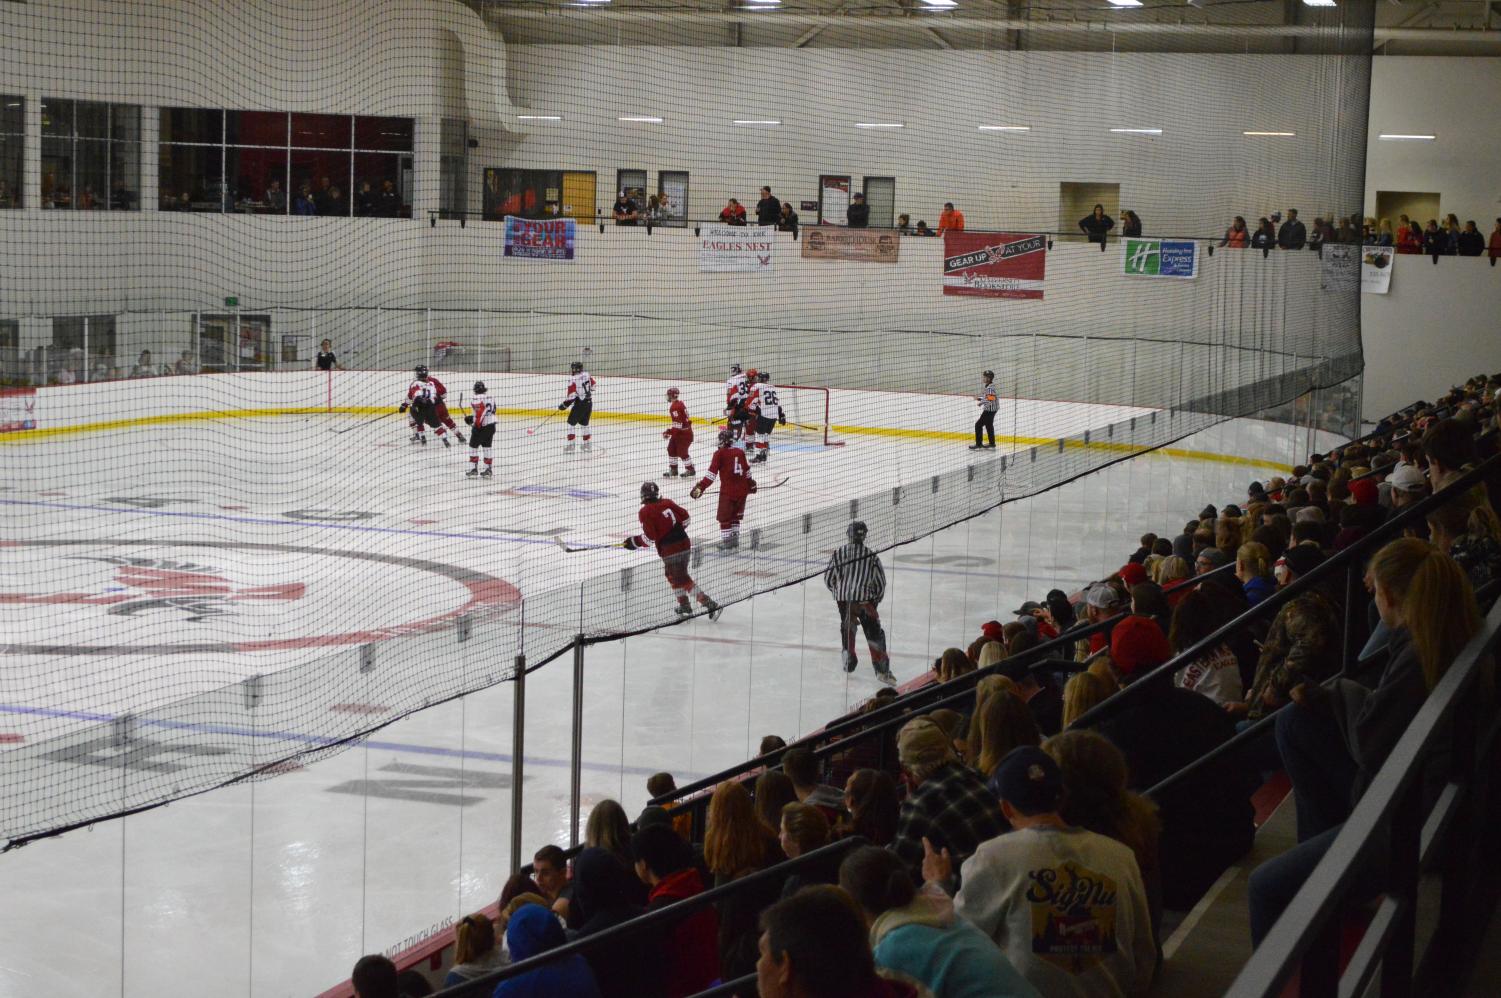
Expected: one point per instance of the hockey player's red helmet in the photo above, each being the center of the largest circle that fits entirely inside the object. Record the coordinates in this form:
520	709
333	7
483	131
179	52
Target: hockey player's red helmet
672	394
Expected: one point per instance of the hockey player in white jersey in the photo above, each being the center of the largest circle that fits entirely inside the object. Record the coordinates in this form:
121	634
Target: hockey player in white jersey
482	418
766	414
736	394
579	400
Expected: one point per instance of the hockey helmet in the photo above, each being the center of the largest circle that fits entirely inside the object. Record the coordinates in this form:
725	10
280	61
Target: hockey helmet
650	492
856	531
735	369
726	438
576	367
479	388
672	394
988	374
421	372
751	374
763	377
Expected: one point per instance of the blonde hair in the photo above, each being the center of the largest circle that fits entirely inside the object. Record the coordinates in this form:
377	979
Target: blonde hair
1005	723
1251	521
1227	535
734	839
1255	556
984	690
473	937
991	652
1095	795
1438	606
1171	569
1470	513
1086	689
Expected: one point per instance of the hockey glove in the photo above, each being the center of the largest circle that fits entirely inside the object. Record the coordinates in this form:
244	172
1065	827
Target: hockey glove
564	406
404	407
753	486
468	420
666	434
629	544
696	492
782	419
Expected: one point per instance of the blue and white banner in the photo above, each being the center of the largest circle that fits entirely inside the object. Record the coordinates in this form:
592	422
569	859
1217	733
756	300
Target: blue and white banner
1177	258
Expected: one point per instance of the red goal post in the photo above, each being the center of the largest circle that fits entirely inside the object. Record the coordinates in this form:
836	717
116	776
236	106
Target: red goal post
807	408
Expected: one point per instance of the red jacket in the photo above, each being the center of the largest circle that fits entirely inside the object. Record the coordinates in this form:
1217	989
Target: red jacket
690	948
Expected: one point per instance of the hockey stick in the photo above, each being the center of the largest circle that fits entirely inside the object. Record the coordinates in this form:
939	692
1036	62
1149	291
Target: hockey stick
356	426
575	550
759	487
539	426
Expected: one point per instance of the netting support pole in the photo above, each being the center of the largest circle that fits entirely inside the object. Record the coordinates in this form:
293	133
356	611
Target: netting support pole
518	750
428	321
576	749
198	339
86	370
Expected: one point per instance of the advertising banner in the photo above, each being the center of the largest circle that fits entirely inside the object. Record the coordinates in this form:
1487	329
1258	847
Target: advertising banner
821	242
834	200
540	239
1340	268
994	264
725	248
1177	258
1376	269
17	409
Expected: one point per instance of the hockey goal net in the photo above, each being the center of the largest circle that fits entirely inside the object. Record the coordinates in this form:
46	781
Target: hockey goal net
807	408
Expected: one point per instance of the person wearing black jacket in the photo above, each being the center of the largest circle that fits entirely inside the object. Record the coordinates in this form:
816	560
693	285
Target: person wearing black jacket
1293	235
603	889
1265	237
1096	224
858	213
768	209
787	220
1471	242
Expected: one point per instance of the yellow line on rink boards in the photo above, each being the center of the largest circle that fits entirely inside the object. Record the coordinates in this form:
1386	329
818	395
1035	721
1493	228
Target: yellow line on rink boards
44	432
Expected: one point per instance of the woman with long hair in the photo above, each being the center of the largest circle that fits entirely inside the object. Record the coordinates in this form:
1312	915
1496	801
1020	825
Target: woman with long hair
1466	529
474	951
991	653
872	806
1005	723
1083	691
1216	672
1334	739
608	828
984	690
773	792
737	844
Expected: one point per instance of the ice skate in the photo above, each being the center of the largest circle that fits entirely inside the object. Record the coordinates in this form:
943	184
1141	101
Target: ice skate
714	609
670	473
886	676
684	610
422	439
472	473
850	661
587	447
730	543
760	457
569	448
460	437
446	441
415	438
487	473
976	446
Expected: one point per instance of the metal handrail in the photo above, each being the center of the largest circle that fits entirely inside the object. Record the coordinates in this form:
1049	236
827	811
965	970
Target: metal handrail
668	913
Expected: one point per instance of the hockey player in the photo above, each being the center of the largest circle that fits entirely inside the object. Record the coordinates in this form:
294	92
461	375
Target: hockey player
423	398
439	395
766	413
857	581
580	396
679	436
663	525
482	418
736	393
731	468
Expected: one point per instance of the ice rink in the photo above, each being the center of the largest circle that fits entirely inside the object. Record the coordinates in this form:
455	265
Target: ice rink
156	555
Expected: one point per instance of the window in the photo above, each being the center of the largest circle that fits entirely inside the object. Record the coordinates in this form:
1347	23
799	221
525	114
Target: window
83	349
632	184
12	138
539	194
672	197
12	367
91	156
276	163
230	342
453	169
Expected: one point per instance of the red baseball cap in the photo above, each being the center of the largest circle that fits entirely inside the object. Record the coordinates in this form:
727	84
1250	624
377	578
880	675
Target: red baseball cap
1138	644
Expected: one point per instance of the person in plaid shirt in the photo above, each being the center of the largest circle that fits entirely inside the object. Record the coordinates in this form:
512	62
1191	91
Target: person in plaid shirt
947	804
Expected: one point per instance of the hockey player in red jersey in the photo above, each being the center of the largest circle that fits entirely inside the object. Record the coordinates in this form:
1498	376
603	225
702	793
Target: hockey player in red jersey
731	468
425	397
679	436
663	526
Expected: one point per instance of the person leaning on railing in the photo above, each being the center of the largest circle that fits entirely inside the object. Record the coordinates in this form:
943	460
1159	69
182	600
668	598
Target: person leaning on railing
1334	738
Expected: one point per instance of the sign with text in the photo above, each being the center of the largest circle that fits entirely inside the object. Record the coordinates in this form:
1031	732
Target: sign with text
833	200
1376	269
726	248
1160	258
821	242
540	239
994	264
17	409
1339	270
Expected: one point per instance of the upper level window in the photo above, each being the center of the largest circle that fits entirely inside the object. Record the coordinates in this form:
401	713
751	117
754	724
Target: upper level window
273	162
12	139
91	155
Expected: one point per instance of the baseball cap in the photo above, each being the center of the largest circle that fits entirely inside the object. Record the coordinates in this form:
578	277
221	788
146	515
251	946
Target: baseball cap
1025	610
1214	556
992	630
1364	492
1029	780
921	744
1309	514
1408	478
1138	644
1302	558
1101	596
1132	574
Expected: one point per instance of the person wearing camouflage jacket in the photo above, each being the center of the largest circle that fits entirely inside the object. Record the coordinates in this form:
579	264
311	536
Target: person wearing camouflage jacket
1301	647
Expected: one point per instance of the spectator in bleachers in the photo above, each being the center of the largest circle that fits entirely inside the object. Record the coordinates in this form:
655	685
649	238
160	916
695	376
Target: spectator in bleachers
1130	223
737	844
1043	699
1096	224
550	870
608	828
413	983
951	219
689	951
969	748
947	804
625	211
1060	610
770	744
733	213
374	976
1409	237
991	653
815	945
787	219
1004	723
1016	890
1494	243
1215	673
1333	740
1433	239
144	367
303	202
1083	691
923	230
1449	447
388	201
1148	600
871	807
804	829
1171	574
661	784
1300	647
1466	529
1265	236
768	208
1384	234
1253	567
186	363
773	792
904	224
610	895
917	934
1294	234
1451	234
800	766
474	951
534	930
952	664
1237	236
364	200
1101	602
857	215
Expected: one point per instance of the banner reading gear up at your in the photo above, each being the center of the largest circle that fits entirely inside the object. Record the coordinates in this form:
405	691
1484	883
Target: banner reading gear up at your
994	264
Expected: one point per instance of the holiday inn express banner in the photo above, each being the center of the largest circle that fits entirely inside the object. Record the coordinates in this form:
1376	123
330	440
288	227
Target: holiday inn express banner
1178	258
994	264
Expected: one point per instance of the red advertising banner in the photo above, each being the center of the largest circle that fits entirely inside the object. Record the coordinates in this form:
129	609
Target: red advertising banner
994	264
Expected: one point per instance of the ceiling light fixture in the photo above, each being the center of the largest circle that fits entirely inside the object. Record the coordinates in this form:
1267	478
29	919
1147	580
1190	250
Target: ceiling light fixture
755	121
1318	3
1285	134
931	5
539	117
1125	3
1399	137
643	118
879	124
1137	131
1005	128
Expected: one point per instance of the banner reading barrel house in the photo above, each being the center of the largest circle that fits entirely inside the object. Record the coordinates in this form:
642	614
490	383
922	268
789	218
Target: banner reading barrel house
820	242
1177	258
540	239
994	264
724	248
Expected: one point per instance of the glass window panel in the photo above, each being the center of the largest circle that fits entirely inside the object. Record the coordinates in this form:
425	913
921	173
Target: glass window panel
91	120
256	128
125	123
90	175
191	124
191	178
57	117
386	197
386	134
320	182
258	178
125	176
57	173
10	171
12	114
320	131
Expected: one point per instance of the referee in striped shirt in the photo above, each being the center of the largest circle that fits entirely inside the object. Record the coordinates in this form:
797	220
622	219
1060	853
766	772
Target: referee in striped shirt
858	582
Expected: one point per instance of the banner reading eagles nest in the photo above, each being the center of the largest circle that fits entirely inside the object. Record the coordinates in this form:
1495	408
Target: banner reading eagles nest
821	242
994	264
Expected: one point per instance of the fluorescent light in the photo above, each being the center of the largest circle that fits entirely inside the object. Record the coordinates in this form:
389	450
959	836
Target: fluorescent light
539	117
1137	131
755	121
1398	137
1005	128
879	124
1125	3
643	118
1286	134
939	4
1318	3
